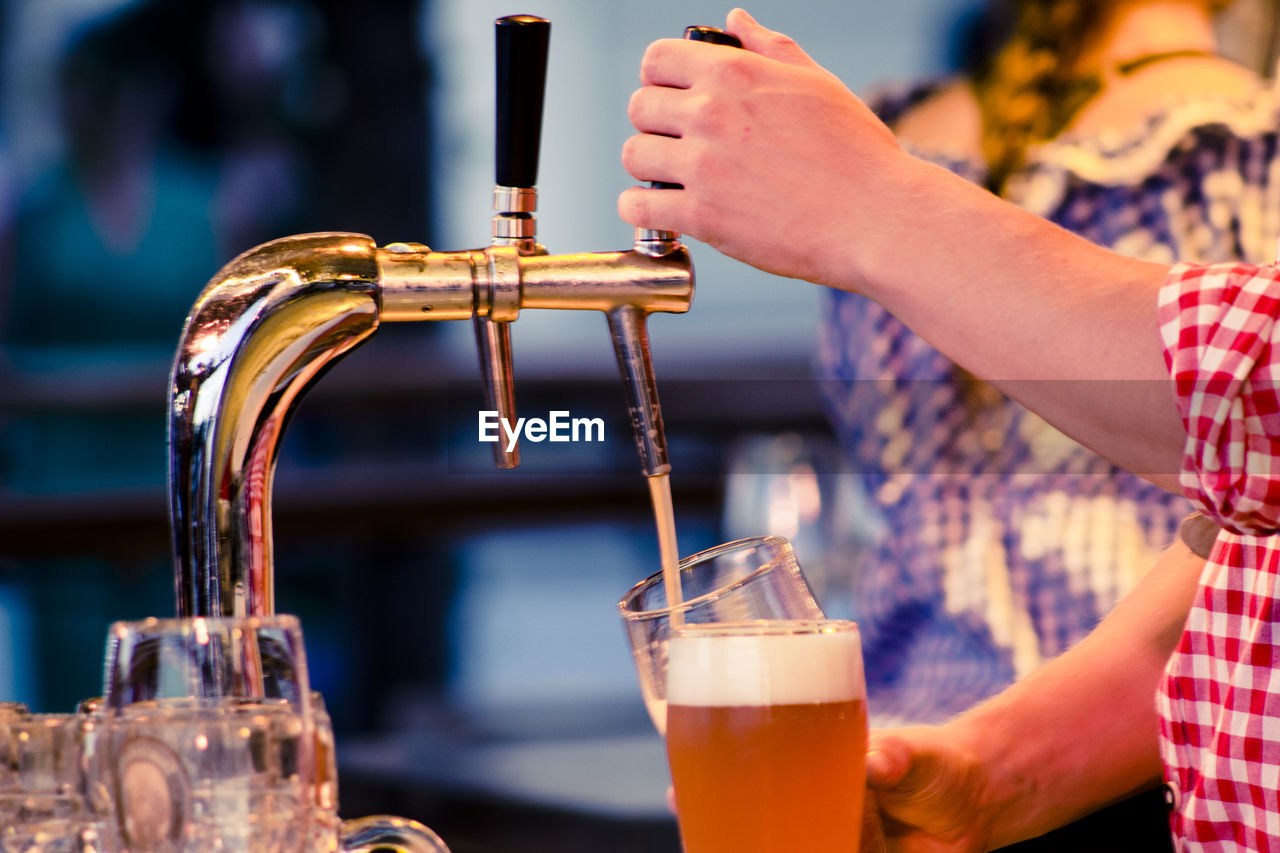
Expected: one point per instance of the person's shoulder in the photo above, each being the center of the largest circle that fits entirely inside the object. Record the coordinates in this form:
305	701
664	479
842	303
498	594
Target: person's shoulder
1197	74
1132	100
947	122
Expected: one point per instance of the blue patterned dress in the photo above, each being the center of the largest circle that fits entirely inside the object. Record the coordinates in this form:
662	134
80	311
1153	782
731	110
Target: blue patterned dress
1003	542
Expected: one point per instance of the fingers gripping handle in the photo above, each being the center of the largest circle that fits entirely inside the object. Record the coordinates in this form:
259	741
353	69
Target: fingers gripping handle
714	36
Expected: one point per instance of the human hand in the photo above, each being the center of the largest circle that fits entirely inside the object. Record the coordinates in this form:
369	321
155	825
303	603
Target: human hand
927	792
774	153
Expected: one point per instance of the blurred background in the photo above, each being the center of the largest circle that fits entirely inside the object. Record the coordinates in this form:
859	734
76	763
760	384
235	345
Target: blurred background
460	621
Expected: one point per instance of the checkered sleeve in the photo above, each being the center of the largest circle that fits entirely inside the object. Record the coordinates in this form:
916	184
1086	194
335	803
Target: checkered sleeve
1218	326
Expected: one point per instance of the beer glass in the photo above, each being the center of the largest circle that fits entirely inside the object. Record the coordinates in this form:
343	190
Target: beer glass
767	735
52	796
215	741
755	578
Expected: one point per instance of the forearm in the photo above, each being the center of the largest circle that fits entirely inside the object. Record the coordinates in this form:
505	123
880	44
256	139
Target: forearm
1063	326
784	168
1081	732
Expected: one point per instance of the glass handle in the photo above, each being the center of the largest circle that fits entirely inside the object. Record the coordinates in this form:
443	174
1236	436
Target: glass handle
382	832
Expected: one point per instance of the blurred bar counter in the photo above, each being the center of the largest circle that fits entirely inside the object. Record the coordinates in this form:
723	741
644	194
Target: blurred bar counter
561	795
387	438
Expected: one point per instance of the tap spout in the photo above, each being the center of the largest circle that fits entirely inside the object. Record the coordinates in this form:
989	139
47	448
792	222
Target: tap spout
627	287
267	325
631	346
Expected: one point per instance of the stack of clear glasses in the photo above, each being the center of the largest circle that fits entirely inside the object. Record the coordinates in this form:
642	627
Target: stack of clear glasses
207	737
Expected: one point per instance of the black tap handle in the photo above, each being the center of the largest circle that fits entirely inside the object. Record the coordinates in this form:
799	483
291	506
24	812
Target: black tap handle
714	36
521	82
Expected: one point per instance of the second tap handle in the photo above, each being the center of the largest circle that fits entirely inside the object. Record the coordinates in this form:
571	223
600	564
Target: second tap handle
521	83
713	35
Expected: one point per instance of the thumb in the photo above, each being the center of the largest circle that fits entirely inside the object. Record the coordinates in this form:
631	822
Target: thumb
766	42
889	761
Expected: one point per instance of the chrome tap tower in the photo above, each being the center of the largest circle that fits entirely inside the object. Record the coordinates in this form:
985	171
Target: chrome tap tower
272	320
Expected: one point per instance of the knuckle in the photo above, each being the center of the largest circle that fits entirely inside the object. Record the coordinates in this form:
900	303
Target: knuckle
698	220
734	72
647	64
699	107
704	165
629	153
652	60
634	105
698	165
711	116
782	42
629	206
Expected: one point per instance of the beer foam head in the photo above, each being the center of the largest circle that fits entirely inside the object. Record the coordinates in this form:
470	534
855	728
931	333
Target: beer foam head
769	663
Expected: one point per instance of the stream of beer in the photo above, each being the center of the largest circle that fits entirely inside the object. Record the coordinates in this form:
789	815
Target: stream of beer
665	516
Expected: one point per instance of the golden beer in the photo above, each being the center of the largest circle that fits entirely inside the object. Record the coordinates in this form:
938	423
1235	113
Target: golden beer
766	736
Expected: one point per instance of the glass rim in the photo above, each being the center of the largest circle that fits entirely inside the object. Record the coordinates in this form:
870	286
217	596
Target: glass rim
45	720
656	579
192	635
766	628
185	624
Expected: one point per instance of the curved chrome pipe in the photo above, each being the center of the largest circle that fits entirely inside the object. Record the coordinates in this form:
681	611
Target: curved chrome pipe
263	329
272	320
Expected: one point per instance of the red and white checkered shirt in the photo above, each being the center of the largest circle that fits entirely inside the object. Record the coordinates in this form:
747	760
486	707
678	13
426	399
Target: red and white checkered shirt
1219	703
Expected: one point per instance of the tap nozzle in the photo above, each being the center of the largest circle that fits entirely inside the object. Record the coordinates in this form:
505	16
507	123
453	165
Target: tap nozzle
493	342
628	328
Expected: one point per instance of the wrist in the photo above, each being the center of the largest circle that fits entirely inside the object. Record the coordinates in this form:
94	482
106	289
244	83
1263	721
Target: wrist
904	214
1004	793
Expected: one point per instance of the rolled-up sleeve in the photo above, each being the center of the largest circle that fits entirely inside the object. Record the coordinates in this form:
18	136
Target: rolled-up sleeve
1219	331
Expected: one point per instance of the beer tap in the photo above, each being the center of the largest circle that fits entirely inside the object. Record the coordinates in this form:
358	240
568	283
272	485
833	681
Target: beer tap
274	319
628	328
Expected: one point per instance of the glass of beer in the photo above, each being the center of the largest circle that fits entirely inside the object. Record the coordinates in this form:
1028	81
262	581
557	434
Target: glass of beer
757	578
767	735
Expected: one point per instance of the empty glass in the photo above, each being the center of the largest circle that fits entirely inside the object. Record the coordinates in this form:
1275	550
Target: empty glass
52	795
740	581
214	741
